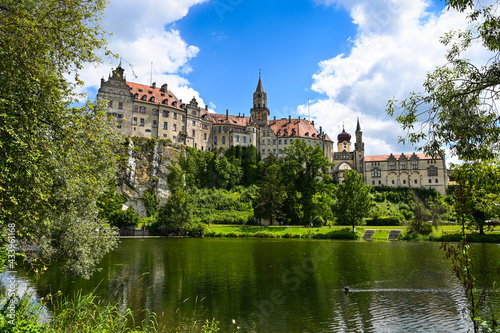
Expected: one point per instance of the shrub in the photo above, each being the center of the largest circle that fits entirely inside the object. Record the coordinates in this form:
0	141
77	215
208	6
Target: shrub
123	219
383	221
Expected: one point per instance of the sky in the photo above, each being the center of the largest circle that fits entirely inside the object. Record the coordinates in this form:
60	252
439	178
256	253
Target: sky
331	60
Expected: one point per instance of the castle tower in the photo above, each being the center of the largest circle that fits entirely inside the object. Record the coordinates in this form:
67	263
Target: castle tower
260	113
359	149
344	141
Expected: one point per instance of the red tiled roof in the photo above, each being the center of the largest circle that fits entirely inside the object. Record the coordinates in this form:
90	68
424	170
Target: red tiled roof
231	120
377	158
159	96
295	128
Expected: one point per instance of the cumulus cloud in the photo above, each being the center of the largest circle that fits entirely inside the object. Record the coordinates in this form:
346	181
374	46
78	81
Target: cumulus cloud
396	45
151	48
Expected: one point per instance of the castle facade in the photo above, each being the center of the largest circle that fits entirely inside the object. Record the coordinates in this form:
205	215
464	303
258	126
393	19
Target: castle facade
155	112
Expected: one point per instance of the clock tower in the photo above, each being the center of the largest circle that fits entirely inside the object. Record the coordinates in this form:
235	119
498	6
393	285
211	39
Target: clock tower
260	113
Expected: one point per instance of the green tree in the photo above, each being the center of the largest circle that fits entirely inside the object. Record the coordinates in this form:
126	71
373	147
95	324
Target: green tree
123	219
55	161
458	110
176	214
272	190
353	200
304	169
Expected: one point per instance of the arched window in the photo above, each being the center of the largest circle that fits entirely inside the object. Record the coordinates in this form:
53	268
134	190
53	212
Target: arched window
165	101
144	98
152	99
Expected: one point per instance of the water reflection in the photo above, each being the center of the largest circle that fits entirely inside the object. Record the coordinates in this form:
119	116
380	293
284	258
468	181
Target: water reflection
284	285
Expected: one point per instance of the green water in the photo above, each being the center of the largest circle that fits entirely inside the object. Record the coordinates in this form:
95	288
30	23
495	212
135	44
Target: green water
285	285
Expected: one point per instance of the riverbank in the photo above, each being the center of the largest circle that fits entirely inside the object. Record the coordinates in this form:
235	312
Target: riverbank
444	232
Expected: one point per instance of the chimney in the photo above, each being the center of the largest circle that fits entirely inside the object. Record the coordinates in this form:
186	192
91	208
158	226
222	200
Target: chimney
320	130
312	122
299	119
164	87
227	113
239	114
289	119
153	85
206	107
243	115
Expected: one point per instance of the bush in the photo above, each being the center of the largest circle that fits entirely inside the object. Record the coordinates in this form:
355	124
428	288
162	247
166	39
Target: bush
346	233
383	221
124	219
195	230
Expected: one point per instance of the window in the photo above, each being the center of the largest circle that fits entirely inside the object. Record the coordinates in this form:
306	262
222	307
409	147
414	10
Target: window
204	136
392	165
414	165
392	182
291	141
165	125
152	99
269	141
110	91
244	139
430	181
223	139
263	142
155	124
134	122
380	182
120	105
144	98
279	142
155	112
142	122
432	171
215	139
416	181
194	122
402	165
136	96
404	181
183	129
274	141
286	141
263	151
175	128
142	109
110	104
175	115
165	101
165	113
376	173
373	182
237	138
194	132
183	117
436	181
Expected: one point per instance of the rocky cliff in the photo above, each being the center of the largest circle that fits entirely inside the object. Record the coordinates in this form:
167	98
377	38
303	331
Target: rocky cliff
143	168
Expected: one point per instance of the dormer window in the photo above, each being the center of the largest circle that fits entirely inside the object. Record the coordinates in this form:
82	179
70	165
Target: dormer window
165	101
307	133
162	94
144	98
150	92
140	90
136	96
152	99
174	104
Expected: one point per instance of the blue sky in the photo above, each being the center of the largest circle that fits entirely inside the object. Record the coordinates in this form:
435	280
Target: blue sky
348	57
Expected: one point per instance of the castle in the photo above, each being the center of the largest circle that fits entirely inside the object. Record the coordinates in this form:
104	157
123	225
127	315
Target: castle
151	111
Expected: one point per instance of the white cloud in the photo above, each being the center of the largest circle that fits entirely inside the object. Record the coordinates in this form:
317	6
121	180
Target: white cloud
396	45
149	50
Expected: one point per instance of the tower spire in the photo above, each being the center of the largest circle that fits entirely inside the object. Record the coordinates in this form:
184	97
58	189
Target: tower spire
358	127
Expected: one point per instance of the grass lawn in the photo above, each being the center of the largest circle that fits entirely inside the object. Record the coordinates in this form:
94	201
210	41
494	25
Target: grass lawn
334	232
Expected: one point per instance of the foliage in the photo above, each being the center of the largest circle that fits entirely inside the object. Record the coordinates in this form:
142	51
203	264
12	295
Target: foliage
85	313
55	161
353	200
151	201
175	214
123	219
271	194
110	201
458	110
383	220
304	170
210	326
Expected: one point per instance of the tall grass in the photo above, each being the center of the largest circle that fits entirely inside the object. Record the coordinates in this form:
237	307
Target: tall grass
82	314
